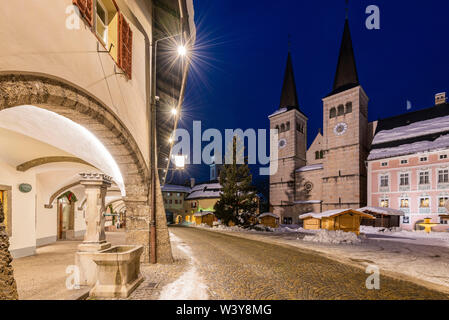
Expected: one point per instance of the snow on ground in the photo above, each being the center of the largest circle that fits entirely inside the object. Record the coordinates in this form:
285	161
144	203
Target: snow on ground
335	237
189	286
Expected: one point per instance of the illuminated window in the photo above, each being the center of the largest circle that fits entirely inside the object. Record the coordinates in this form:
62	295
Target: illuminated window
384	203
405	203
424	202
442	201
102	22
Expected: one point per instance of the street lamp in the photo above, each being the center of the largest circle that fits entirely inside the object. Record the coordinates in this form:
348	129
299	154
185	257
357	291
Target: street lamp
182	51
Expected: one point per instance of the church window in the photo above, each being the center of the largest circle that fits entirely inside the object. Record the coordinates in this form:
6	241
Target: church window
282	127
287	128
332	113
349	107
341	110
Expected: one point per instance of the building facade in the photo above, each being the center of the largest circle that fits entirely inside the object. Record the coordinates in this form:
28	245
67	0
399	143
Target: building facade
408	166
331	173
75	93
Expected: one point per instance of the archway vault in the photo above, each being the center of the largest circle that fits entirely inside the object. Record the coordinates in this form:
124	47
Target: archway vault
45	160
79	106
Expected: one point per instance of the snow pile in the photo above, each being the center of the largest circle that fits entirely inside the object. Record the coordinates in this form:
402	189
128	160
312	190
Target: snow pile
334	237
412	234
382	230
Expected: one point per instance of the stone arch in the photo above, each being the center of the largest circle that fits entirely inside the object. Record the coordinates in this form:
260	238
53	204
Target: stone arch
76	104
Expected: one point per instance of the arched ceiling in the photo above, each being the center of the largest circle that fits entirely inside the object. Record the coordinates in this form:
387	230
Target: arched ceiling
48	133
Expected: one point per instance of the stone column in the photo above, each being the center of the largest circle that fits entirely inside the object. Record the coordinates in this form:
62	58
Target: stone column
8	288
96	186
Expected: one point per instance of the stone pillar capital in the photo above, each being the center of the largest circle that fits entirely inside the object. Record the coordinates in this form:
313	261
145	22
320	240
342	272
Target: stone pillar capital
98	180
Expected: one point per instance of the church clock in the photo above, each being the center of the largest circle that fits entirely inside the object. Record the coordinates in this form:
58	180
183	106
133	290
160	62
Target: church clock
282	143
340	128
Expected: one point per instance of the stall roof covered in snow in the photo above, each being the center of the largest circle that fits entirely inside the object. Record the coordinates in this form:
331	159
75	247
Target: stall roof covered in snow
311	167
331	213
268	214
175	188
202	213
205	190
418	131
383	211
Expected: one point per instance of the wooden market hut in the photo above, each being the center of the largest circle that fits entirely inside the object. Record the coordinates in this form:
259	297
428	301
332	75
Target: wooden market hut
347	220
385	217
204	217
269	219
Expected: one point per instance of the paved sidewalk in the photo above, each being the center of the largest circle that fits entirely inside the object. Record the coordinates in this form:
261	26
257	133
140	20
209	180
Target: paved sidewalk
43	276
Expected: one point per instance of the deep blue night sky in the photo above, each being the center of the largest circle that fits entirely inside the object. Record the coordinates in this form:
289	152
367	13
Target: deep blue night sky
242	49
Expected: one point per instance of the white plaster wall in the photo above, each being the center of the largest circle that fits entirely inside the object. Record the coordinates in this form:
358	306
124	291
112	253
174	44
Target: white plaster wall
39	42
23	206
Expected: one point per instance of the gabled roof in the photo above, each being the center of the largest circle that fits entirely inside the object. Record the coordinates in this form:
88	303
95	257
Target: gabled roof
332	213
382	211
289	96
346	76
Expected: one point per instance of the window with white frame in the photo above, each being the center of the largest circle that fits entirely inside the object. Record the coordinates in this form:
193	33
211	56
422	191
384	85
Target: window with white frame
443	176
443	156
424	202
404	179
384	202
384	181
384	164
423	159
102	22
404	203
404	161
442	201
424	178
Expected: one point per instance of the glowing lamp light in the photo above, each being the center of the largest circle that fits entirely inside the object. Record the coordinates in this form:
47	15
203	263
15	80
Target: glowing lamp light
174	111
170	140
180	162
182	51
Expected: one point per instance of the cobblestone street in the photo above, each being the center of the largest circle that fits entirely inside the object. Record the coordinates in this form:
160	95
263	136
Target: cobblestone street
238	268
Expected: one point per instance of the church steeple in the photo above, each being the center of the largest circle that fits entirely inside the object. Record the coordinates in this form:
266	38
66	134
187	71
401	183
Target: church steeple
289	96
346	76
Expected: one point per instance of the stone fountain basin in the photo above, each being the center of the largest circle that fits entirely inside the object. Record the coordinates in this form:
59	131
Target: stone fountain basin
118	271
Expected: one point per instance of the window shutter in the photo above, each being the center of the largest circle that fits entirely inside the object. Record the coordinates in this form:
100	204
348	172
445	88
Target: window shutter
125	43
86	8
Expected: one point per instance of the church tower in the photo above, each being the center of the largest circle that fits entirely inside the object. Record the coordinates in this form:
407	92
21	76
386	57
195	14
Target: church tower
292	127
345	118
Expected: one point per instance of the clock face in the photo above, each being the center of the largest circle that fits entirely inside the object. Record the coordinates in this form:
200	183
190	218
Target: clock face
282	143
340	128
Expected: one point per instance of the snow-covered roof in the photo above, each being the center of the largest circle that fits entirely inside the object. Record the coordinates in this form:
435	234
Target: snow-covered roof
202	213
416	129
207	185
331	213
410	148
268	214
307	201
282	110
311	167
384	211
205	190
175	188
